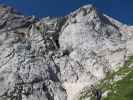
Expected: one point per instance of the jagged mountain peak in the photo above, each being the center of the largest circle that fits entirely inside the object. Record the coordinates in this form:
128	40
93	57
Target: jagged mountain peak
86	9
8	9
59	56
90	22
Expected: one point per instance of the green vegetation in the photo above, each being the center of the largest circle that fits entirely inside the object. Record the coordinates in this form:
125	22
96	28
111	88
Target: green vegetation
85	94
122	89
117	85
129	61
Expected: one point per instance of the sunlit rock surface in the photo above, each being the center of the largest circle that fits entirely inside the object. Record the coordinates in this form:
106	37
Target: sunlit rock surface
55	58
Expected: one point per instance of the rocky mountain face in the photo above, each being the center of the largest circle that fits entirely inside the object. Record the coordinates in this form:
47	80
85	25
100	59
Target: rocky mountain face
55	58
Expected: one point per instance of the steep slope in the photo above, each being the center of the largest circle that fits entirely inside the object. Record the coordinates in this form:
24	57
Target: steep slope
55	58
95	46
117	85
27	71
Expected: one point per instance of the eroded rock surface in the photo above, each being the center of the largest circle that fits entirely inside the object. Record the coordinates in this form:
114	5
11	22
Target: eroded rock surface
55	58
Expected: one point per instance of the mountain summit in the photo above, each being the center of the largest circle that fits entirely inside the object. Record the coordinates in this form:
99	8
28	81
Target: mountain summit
55	58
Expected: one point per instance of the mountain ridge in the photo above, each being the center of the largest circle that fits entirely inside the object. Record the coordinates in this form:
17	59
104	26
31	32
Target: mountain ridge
55	58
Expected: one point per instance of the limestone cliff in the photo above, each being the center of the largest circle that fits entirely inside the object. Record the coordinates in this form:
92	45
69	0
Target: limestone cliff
55	58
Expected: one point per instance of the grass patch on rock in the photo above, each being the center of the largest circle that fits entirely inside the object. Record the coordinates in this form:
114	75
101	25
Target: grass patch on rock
117	85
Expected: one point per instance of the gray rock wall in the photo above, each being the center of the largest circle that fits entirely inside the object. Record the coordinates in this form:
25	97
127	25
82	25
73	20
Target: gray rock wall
55	58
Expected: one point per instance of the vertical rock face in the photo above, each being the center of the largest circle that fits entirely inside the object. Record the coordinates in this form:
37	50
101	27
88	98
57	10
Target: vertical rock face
55	58
27	67
95	46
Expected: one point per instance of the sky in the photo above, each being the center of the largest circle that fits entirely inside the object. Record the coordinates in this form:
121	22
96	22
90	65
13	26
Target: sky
121	10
